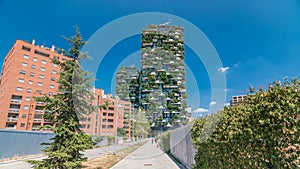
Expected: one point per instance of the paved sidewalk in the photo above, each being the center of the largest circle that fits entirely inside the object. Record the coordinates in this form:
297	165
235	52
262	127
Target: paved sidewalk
149	157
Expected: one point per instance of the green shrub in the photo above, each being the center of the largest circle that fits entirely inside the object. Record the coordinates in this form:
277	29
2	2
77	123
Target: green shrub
165	141
263	131
110	140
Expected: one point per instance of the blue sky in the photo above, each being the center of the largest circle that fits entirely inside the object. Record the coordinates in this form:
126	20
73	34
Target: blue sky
257	41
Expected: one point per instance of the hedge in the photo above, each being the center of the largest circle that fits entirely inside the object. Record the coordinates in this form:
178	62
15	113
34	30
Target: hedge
263	131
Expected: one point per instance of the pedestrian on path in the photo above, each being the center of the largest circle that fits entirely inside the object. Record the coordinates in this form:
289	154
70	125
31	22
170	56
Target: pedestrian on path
158	144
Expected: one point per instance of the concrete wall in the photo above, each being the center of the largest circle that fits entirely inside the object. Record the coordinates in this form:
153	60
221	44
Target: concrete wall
14	142
182	147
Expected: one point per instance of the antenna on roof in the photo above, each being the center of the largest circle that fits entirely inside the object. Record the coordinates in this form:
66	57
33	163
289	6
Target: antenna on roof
165	24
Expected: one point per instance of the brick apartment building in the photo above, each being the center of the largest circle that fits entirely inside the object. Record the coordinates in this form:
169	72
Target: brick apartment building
237	99
103	122
27	72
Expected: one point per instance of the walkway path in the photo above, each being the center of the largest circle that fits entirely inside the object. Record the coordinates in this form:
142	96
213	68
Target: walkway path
147	157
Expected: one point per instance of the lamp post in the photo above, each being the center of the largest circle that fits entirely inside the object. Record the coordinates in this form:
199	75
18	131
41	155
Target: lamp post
117	117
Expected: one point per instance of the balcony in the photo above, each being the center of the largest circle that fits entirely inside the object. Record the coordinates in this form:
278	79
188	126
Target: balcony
16	101
38	111
37	120
47	121
11	128
35	128
39	103
13	119
13	110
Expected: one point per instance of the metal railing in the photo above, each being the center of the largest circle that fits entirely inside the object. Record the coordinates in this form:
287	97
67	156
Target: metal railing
14	110
16	101
12	119
39	111
37	120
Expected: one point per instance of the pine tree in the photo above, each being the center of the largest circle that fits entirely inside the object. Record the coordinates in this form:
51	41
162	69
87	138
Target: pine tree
66	108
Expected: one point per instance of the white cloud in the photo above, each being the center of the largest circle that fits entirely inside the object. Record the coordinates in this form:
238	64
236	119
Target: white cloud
237	64
213	103
200	110
227	104
223	69
226	90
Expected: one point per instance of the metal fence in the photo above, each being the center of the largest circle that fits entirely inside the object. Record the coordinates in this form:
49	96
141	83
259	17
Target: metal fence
20	143
181	146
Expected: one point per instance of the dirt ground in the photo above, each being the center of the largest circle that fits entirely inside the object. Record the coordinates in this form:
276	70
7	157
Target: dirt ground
109	160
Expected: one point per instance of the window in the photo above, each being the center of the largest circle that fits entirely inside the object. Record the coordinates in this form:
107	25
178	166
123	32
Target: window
55	65
24	64
40	84
52	86
33	66
26	48
41	53
21	80
56	57
53	72
43	69
27	99
31	74
29	90
111	108
24	115
44	62
19	89
30	82
25	56
22	72
41	76
63	59
26	107
53	79
50	93
35	59
22	125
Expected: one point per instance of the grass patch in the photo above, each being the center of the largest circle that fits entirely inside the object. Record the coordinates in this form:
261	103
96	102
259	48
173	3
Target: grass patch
109	160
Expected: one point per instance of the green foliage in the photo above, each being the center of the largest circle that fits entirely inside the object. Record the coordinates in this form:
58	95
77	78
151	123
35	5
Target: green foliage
260	132
98	140
165	138
110	139
141	125
121	131
64	111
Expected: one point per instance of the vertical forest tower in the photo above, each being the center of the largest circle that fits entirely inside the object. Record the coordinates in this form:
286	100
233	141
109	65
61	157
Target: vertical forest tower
159	90
163	91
